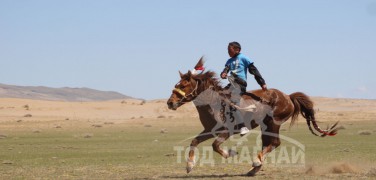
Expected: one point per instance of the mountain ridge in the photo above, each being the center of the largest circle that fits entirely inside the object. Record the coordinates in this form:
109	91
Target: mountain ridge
58	94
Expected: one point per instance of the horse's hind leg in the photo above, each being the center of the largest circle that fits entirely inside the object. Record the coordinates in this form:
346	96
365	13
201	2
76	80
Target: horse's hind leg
216	145
203	136
270	141
222	137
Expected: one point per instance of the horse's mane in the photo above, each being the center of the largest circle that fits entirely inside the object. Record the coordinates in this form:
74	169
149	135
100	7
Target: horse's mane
209	79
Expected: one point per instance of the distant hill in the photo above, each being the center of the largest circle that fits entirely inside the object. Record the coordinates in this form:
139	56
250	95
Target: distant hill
58	94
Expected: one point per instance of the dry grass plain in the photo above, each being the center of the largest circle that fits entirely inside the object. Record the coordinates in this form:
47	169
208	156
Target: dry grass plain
132	139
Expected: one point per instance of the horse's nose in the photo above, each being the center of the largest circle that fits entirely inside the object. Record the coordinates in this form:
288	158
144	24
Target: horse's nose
169	104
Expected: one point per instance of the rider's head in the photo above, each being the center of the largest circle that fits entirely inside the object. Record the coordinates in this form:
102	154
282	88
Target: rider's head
233	49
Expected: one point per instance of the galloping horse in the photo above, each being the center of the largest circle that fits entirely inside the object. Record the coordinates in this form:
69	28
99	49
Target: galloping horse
269	109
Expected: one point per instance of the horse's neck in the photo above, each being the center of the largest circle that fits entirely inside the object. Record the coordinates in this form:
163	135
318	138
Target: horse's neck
207	97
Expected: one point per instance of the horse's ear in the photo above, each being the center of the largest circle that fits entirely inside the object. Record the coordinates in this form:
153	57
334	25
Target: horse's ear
200	63
189	73
181	74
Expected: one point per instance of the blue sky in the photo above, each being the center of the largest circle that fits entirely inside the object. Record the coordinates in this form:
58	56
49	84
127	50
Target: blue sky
320	47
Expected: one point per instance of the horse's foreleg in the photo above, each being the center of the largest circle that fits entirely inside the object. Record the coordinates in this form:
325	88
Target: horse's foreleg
216	145
203	136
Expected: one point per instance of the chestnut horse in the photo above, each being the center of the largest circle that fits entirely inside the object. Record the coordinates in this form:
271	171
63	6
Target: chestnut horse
267	109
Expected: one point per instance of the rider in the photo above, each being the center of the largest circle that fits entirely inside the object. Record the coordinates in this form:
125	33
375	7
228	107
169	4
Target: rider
238	65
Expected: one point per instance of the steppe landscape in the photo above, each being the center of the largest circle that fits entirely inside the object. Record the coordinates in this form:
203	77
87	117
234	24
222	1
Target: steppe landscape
84	86
135	139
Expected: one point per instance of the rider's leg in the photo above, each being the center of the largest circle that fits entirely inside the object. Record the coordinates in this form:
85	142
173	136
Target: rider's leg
236	96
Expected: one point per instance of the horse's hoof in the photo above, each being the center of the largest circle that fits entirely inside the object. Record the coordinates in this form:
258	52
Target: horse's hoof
190	165
254	171
189	169
256	164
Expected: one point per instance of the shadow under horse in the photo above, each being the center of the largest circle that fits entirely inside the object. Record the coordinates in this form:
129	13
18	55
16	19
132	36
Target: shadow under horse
268	109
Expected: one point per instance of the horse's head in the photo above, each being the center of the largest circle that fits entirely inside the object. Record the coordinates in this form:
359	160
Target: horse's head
189	87
184	91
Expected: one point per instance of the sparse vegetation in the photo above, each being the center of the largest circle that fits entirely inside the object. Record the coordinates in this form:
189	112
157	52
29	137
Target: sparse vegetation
7	162
3	136
87	135
152	154
26	107
35	148
365	132
28	115
97	125
36	131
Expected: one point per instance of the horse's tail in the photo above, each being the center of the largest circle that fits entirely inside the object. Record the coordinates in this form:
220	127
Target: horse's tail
304	105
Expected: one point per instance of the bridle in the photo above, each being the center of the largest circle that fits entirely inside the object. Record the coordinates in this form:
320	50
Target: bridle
192	94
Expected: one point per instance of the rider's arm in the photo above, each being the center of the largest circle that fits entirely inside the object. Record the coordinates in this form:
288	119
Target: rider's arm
253	70
224	72
226	69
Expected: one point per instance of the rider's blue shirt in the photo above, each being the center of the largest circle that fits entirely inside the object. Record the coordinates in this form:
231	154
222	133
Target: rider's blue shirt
239	65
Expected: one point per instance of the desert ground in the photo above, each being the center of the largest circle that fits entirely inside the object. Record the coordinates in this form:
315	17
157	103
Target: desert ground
135	139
